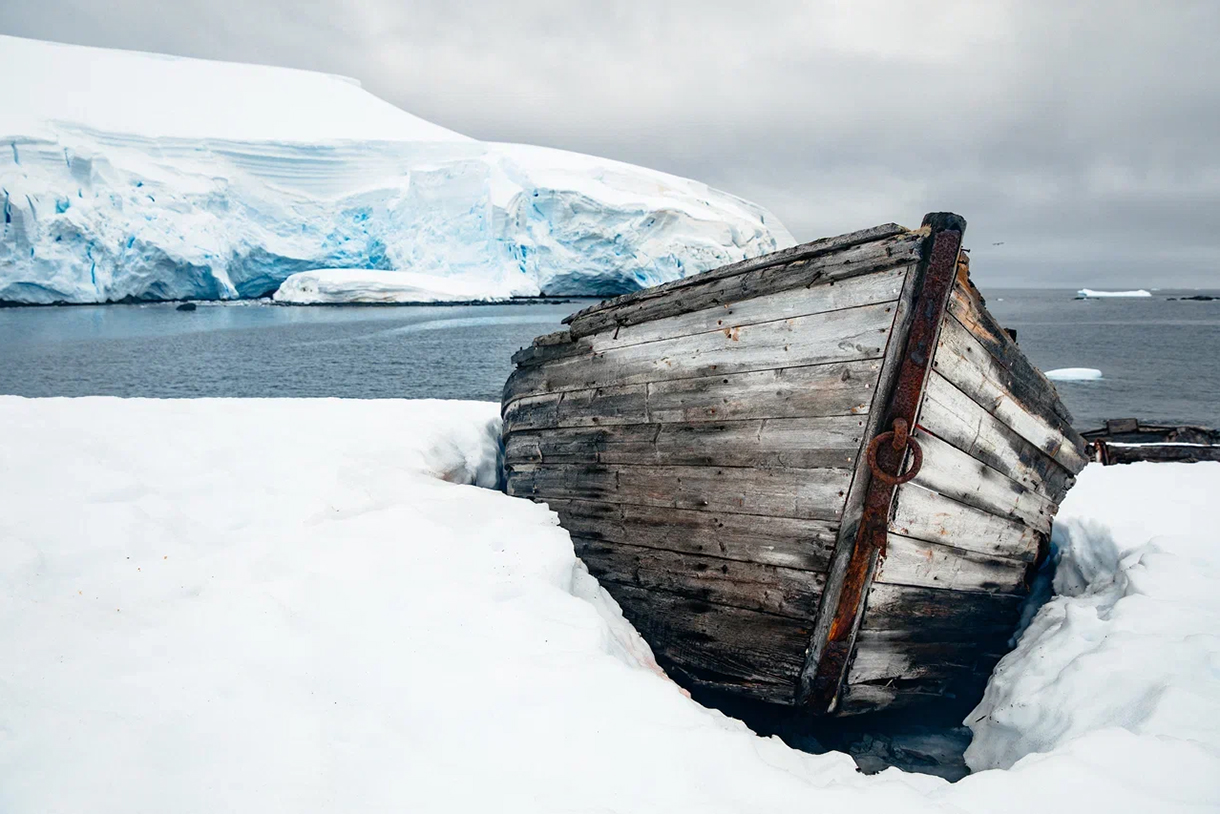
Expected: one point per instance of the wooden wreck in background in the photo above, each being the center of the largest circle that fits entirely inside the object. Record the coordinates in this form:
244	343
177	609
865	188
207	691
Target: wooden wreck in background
706	442
1128	441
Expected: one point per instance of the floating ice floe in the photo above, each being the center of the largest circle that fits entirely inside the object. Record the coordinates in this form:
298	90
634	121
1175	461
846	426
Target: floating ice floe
1074	374
1089	293
368	286
132	175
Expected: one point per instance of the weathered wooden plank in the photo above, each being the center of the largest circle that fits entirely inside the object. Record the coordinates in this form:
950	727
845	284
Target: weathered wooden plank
718	581
867	289
784	541
859	699
729	317
934	277
758	653
1028	383
926	515
550	346
814	391
879	659
933	615
944	694
807	493
821	260
853	509
788	442
966	364
1134	431
837	336
579	408
853	262
986	639
952	472
954	417
929	565
1163	453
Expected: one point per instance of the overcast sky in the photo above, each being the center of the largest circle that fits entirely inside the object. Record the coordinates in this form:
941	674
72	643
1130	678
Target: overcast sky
1084	138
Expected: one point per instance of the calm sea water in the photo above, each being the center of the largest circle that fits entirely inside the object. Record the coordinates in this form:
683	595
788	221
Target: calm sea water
1160	359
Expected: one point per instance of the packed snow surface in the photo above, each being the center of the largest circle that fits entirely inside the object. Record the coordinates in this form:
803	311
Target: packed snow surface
132	175
331	286
1073	374
1122	666
249	605
1089	293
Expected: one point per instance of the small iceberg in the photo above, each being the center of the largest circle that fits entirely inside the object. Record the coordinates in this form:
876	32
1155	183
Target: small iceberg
374	287
1074	374
1088	293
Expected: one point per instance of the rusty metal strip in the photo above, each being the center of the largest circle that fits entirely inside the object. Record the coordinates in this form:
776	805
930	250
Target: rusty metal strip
937	272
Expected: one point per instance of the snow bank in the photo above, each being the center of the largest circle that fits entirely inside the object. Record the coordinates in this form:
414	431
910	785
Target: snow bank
1089	293
330	286
257	605
1074	374
1122	667
137	175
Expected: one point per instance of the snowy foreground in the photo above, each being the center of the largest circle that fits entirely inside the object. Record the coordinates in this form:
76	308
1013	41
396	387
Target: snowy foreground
245	605
125	174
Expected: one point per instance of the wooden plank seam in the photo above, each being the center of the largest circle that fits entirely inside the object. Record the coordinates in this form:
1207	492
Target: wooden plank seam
939	267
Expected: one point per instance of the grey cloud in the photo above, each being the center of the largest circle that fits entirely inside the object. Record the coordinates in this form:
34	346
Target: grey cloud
1081	135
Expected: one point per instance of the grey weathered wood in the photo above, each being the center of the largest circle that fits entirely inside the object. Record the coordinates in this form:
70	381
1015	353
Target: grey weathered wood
538	354
933	615
952	691
1027	382
1128	440
927	515
1134	431
879	659
952	472
605	406
965	363
731	317
756	653
784	541
955	418
1162	453
718	581
930	565
889	671
859	699
702	443
854	503
826	271
728	317
806	493
838	336
800	443
800	265
817	390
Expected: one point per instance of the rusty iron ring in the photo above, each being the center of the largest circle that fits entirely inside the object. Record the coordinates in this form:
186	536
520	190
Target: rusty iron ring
902	440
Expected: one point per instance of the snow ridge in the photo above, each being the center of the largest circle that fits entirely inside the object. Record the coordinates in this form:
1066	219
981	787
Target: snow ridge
1121	665
344	621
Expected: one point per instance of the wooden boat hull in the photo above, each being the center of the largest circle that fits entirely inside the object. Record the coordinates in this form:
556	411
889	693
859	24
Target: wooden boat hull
1129	441
706	444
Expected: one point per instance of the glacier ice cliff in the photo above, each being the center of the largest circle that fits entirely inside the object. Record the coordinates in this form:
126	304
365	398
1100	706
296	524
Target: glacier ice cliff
137	176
